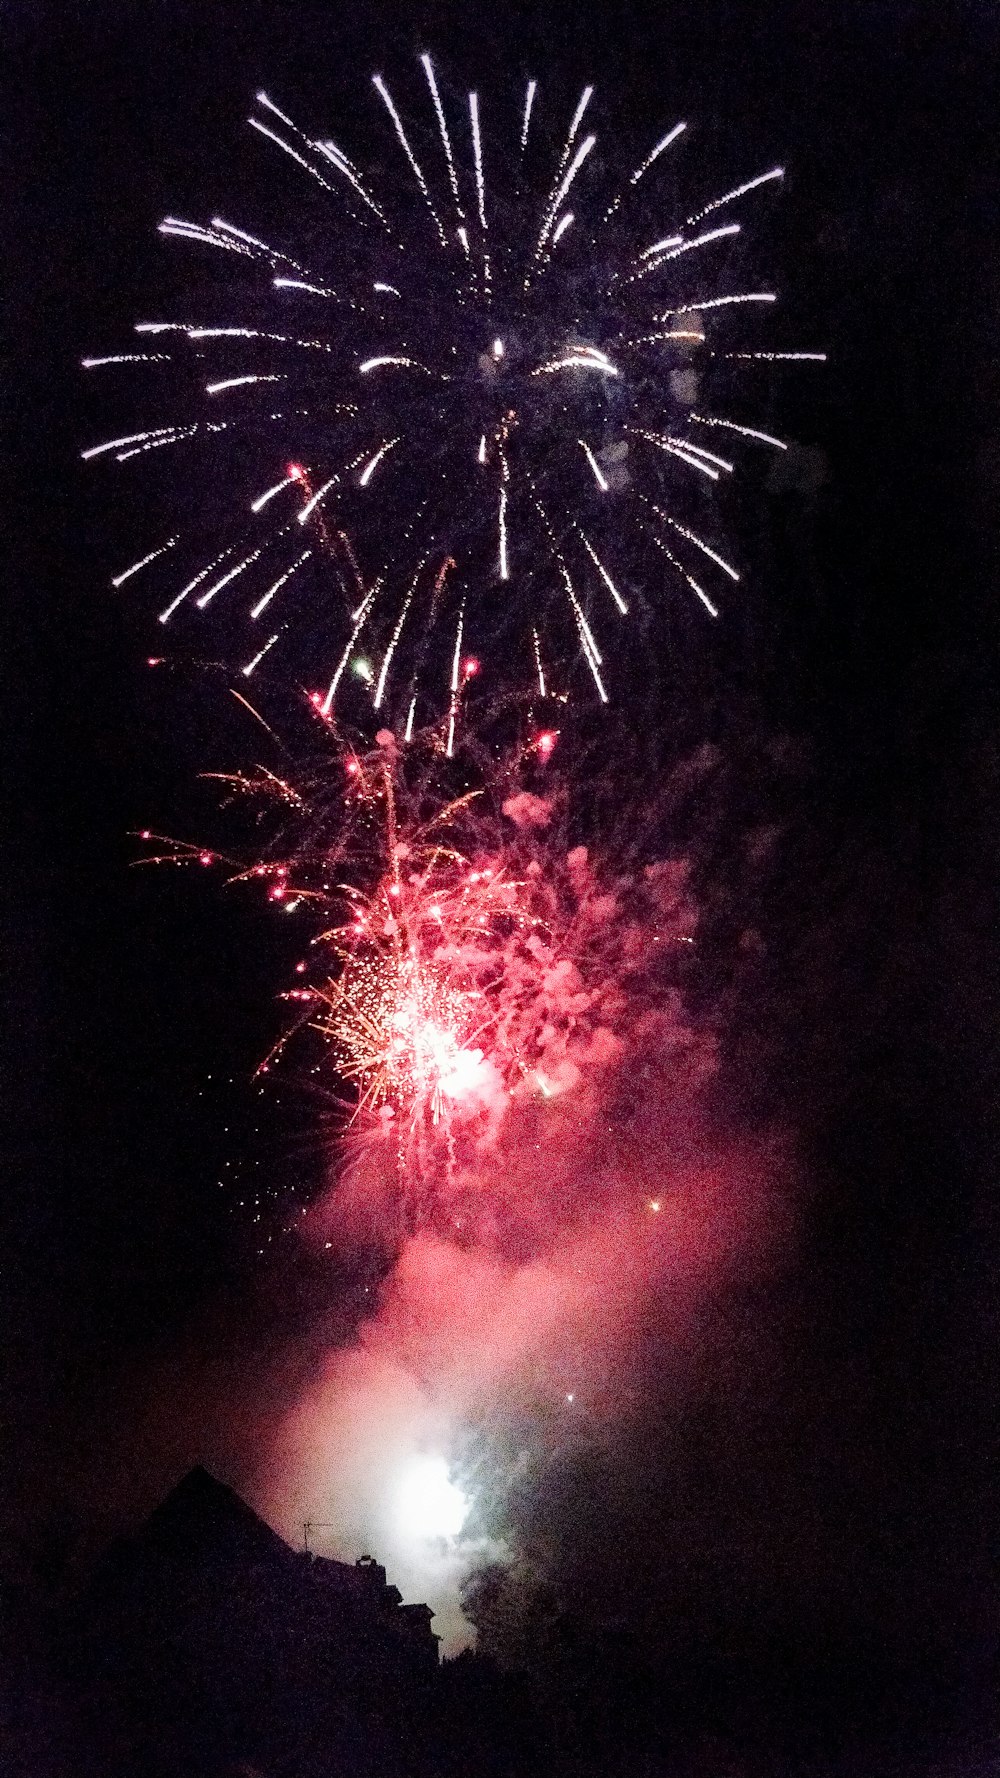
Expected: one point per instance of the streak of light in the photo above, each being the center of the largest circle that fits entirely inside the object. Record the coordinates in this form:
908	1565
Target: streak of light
640	171
605	576
263	603
286	481
386	97
529	100
206	598
578	360
115	444
236	382
673	333
455	683
126	358
397	632
175	436
339	160
202	574
738	191
719	302
591	651
555	202
481	453
241	234
259	656
599	476
502	526
428	68
661	246
477	153
692	537
127	573
538	663
695	585
193	231
565	221
314	500
262	99
321	493
779	357
300	159
675	448
745	431
583	102
370	467
255	333
393	358
240	699
676	249
408	735
710	456
387	289
359	623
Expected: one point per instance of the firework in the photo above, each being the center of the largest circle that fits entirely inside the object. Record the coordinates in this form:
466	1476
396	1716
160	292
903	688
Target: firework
458	955
502	360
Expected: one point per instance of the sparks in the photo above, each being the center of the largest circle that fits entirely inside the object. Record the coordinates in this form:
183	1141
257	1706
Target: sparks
405	319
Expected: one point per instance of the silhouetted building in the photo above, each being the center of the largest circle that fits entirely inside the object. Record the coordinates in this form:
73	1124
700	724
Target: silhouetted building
207	1641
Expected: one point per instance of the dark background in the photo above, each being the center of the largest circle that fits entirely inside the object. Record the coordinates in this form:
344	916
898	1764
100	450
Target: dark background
869	1027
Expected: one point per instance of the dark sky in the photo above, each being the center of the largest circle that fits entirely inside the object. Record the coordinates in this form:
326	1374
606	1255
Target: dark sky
871	1029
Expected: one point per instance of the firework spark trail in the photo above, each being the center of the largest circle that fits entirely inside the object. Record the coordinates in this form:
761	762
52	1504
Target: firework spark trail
263	603
428	68
151	556
696	587
605	576
253	664
386	97
538	663
640	171
744	431
202	574
655	258
394	639
562	185
591	652
477	152
431	373
456	683
359	624
738	191
330	152
529	100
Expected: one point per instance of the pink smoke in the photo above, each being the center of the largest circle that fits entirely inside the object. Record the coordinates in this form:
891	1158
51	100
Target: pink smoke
571	1210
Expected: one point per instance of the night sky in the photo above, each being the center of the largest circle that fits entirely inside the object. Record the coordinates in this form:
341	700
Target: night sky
847	1398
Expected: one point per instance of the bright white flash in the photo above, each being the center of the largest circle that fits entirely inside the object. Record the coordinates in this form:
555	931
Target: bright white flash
428	1504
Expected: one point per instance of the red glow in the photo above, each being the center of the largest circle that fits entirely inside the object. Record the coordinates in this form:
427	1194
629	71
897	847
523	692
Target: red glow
546	741
295	472
277	892
300	969
353	767
205	858
471	667
155	660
